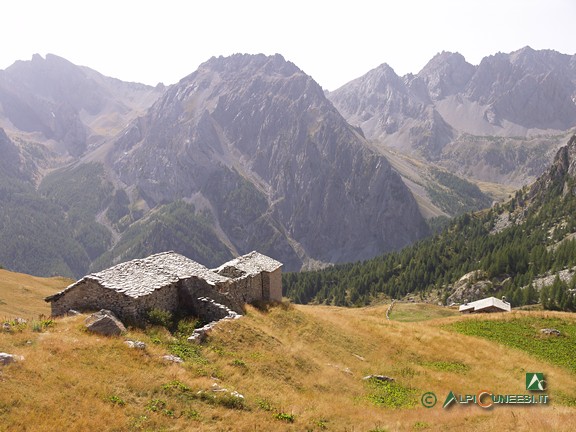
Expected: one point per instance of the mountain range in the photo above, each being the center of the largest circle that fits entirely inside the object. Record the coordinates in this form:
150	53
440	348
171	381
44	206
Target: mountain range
245	153
500	121
248	152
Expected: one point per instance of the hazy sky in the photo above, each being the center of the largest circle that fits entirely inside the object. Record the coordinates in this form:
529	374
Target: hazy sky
333	41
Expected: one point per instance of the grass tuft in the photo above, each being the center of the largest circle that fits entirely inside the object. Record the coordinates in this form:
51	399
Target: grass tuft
448	366
282	416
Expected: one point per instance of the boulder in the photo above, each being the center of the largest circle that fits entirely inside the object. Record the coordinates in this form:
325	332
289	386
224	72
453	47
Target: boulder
105	323
135	344
550	332
6	359
172	358
382	378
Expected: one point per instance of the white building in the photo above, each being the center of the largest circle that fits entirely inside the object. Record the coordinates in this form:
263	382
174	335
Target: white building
487	305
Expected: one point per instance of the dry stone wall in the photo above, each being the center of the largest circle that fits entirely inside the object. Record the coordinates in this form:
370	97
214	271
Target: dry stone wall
91	296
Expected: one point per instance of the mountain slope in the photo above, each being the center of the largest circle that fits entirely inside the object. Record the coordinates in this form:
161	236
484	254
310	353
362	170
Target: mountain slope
503	250
35	234
22	295
451	112
253	141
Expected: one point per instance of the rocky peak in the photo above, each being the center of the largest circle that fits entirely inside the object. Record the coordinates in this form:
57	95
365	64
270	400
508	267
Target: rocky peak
245	63
56	79
379	102
539	61
529	88
446	74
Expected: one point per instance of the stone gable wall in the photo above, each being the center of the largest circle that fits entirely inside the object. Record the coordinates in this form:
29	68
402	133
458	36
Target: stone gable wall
272	286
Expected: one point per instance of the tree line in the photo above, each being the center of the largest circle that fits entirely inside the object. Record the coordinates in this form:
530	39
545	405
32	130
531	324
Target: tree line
536	242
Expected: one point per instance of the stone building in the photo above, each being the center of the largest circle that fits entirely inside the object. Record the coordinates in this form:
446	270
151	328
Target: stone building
171	282
256	276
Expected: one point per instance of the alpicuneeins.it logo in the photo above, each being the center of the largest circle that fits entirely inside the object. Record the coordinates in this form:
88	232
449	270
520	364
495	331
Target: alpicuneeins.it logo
535	382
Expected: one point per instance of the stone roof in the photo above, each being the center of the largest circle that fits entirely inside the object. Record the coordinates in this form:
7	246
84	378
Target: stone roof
251	264
141	277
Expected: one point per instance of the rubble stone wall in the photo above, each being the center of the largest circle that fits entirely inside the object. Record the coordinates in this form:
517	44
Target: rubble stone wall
91	296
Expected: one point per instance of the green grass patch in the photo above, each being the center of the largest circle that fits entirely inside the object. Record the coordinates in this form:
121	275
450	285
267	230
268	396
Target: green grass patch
391	394
187	352
413	312
447	366
524	333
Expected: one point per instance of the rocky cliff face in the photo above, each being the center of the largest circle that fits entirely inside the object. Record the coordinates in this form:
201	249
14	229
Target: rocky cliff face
9	157
253	140
560	175
452	107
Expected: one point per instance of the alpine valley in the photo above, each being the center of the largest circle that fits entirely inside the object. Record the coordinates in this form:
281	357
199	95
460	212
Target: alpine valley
248	152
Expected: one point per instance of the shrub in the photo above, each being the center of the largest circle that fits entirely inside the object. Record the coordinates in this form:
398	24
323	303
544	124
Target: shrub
238	363
161	317
43	324
116	400
232	402
288	418
156	405
265	405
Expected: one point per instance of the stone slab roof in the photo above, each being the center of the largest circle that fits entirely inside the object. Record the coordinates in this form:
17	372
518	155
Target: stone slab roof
252	263
141	277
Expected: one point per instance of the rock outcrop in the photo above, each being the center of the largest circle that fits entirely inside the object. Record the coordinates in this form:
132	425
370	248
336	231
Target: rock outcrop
562	169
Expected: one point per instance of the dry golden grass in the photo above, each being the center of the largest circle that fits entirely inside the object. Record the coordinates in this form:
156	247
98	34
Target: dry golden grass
22	295
300	361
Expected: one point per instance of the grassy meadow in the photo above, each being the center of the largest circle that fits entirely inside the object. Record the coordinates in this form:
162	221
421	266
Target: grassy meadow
22	295
299	368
